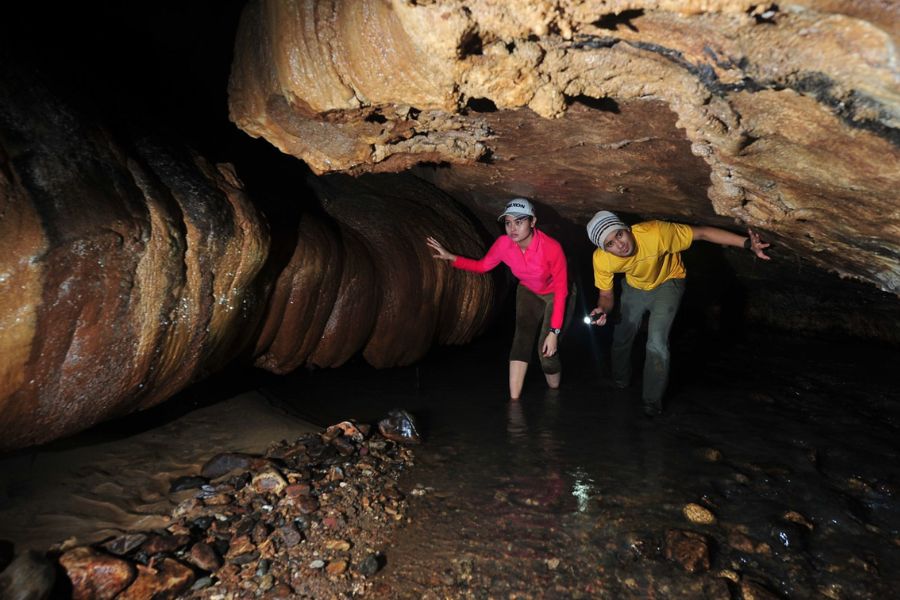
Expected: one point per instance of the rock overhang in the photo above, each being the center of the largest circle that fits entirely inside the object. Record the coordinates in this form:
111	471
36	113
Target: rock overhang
780	117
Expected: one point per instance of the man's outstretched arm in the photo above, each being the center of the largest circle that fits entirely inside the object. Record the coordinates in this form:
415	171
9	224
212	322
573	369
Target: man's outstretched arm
715	235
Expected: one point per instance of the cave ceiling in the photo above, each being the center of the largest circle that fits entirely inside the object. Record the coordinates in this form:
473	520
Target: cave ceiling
781	117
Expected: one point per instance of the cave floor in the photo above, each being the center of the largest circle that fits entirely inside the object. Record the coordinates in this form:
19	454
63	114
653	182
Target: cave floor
791	444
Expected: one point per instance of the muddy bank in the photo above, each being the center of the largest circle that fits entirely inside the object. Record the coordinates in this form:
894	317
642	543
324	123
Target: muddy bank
84	492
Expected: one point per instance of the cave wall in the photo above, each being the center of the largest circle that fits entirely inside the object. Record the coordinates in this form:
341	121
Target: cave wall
789	112
131	267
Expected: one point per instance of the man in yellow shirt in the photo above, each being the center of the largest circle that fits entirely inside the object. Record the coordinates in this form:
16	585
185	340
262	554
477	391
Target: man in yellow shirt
649	254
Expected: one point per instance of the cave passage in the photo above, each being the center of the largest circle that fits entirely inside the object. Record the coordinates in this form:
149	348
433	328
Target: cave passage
160	254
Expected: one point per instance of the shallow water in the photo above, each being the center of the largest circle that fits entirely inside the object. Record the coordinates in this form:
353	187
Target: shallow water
791	444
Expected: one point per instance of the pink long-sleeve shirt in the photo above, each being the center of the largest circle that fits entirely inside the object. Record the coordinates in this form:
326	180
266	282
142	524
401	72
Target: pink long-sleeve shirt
541	268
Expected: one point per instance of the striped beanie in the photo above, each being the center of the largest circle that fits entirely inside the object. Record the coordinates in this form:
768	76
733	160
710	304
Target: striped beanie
601	225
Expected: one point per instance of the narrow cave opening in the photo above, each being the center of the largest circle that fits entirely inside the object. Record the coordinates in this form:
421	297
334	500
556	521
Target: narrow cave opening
771	465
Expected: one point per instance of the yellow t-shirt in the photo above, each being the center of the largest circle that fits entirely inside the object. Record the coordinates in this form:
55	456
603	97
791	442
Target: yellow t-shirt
655	261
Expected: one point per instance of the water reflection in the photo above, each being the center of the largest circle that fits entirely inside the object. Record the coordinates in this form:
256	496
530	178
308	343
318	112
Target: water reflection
582	488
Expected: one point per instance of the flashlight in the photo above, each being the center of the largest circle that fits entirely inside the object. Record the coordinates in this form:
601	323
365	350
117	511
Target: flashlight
592	319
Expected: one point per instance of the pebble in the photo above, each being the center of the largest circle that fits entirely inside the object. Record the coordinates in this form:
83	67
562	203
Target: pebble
370	565
339	545
202	583
266	582
336	567
795	517
204	557
290	536
317	564
124	543
222	464
187	482
269	481
94	574
689	549
698	514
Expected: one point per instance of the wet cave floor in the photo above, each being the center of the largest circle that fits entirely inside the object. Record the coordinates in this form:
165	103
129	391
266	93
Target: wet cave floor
788	445
773	473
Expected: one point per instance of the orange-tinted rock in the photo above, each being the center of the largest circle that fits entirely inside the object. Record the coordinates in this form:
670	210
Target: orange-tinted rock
205	557
689	549
94	575
161	580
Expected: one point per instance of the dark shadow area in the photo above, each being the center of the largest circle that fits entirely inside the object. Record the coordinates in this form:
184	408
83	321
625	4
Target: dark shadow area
471	45
612	21
604	104
481	105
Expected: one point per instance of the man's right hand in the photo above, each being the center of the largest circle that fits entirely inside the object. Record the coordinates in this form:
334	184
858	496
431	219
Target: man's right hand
598	317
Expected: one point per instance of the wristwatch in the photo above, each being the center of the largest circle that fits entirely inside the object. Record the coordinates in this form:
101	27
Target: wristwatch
555	330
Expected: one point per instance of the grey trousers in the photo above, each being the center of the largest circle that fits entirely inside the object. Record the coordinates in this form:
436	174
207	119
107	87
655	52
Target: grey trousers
662	303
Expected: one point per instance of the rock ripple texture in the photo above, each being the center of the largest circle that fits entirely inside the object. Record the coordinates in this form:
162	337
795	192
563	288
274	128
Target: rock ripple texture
131	268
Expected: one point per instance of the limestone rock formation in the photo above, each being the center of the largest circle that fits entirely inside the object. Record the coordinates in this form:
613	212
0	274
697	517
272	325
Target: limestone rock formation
784	117
378	288
127	271
132	268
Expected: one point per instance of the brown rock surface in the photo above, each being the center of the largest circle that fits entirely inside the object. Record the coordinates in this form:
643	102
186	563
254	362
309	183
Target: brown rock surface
138	268
134	269
95	576
786	115
162	579
689	549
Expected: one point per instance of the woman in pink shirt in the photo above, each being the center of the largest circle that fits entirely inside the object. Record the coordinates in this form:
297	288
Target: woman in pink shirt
537	260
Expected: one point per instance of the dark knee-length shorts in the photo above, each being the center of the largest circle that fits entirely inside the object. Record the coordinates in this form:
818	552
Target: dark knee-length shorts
533	313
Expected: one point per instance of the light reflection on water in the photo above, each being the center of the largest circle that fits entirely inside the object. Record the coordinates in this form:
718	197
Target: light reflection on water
582	488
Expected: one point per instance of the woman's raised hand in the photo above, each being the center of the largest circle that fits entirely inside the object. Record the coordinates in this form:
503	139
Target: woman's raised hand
441	252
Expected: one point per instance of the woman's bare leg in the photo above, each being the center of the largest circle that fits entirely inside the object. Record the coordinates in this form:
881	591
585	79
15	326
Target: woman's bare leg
553	379
517	369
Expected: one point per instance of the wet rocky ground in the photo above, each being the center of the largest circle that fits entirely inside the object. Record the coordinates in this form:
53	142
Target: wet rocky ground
308	518
773	473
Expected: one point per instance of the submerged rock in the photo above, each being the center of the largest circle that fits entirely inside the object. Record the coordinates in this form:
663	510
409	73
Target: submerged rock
689	549
400	426
698	514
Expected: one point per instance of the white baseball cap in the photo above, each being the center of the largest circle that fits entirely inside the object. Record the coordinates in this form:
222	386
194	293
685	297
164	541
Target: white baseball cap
518	207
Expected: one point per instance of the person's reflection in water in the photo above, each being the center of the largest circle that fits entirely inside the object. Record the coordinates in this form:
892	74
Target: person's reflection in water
515	421
536	473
